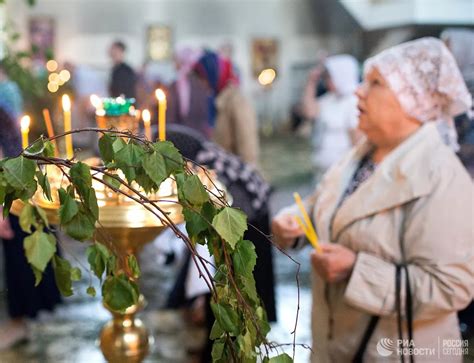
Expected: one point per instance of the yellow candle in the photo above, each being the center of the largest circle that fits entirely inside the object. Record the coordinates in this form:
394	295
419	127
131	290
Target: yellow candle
308	229
146	120
161	97
67	125
25	129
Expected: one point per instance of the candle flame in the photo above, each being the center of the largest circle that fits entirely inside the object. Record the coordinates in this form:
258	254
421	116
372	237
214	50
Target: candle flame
267	76
96	101
66	103
25	122
160	95
146	116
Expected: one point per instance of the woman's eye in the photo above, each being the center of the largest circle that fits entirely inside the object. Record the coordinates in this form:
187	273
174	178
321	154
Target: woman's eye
375	82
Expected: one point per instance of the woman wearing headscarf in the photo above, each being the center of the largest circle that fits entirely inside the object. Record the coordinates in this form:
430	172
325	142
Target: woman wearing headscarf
335	112
230	113
188	95
394	218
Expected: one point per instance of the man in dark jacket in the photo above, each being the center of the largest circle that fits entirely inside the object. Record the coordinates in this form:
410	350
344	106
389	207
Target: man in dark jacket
123	78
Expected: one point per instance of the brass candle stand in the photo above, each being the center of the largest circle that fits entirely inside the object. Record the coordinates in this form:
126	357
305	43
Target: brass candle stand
128	226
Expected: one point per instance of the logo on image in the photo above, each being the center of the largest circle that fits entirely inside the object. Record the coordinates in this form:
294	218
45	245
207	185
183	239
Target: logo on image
385	347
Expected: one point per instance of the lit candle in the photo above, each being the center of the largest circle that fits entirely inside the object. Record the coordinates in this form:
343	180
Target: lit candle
49	128
67	125
161	97
146	121
25	129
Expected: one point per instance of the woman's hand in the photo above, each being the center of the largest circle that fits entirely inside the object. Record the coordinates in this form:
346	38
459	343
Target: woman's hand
6	231
285	230
334	263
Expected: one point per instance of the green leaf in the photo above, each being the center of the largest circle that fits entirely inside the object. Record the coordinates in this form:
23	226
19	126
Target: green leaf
19	172
227	318
106	148
112	181
81	177
76	274
81	227
69	207
133	265
27	191
128	159
91	291
38	276
44	183
282	358
145	181
63	275
244	258
96	260
246	345
195	223
27	217
118	144
194	192
230	224
36	148
42	215
119	293
216	331
48	149
155	167
173	159
39	249
217	350
90	201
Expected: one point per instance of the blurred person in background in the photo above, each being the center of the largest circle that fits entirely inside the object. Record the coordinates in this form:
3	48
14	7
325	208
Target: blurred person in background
188	96
335	112
24	300
394	216
231	115
123	78
461	44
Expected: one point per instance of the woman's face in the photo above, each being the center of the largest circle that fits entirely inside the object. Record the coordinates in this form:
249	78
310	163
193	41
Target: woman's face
381	117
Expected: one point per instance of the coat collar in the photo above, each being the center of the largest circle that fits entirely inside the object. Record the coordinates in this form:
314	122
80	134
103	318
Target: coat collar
405	174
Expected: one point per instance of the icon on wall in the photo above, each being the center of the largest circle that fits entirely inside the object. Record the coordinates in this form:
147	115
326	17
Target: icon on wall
41	36
264	55
159	45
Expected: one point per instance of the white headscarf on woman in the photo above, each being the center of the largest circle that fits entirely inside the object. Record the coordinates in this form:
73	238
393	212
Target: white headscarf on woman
427	82
344	72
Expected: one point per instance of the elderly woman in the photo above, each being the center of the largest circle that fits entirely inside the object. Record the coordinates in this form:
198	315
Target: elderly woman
395	217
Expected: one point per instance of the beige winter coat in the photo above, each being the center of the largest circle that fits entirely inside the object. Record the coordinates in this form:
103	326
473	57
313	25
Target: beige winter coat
419	197
236	125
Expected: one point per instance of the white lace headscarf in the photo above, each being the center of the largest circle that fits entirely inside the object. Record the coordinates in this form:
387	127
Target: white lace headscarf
344	72
427	82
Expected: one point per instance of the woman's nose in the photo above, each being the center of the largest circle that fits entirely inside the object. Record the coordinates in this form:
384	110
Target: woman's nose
361	91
